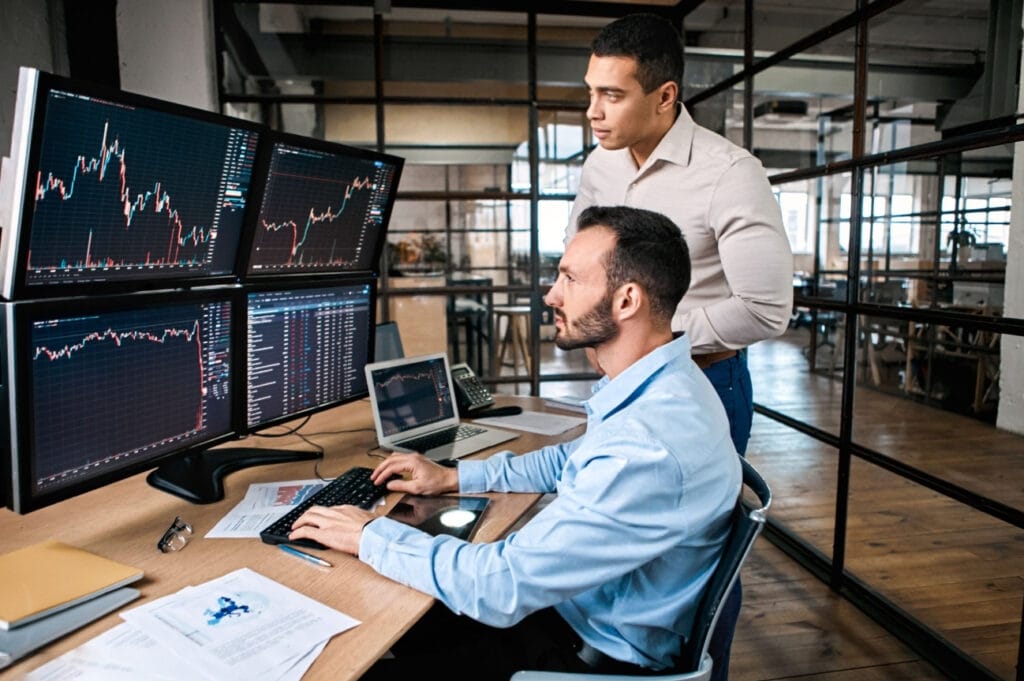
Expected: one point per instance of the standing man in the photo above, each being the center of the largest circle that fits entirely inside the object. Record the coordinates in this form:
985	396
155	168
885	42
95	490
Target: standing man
651	154
607	576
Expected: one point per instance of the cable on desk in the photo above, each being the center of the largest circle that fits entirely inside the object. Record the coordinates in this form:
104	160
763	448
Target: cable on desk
290	431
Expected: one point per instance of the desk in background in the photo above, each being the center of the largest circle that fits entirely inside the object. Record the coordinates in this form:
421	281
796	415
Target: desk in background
124	521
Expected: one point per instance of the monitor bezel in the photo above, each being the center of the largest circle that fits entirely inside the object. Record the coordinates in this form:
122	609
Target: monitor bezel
34	88
20	315
291	284
261	174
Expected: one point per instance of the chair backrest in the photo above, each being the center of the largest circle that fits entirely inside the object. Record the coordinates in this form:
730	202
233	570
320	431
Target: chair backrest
747	522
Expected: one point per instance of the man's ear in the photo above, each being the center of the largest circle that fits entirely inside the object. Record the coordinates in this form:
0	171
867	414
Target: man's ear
628	300
668	93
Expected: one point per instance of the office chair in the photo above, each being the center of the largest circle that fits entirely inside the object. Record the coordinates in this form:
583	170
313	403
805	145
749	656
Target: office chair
694	662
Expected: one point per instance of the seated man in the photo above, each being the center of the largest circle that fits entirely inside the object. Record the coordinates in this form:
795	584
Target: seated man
607	576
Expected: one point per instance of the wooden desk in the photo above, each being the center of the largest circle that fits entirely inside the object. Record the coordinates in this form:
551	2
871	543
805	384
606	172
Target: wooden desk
124	521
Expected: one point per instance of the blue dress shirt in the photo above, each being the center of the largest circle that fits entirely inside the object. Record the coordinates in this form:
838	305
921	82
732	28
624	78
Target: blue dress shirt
625	548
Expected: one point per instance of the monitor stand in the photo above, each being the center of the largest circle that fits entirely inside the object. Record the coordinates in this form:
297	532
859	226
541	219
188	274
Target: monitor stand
198	476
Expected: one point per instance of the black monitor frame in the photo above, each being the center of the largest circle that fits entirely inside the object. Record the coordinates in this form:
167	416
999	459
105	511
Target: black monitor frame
332	155
5	416
26	494
220	189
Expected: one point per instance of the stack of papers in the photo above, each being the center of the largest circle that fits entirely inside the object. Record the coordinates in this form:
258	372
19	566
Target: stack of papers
240	626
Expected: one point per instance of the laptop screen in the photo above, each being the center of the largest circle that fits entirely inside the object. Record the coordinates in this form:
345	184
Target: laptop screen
412	394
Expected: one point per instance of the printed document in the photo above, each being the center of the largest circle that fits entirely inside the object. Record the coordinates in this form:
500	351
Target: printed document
126	653
240	626
263	504
535	422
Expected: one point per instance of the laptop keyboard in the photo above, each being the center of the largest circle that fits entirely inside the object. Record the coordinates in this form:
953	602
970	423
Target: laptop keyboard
351	487
442	437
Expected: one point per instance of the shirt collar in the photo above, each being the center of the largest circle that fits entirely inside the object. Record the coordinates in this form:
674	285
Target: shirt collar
675	146
610	394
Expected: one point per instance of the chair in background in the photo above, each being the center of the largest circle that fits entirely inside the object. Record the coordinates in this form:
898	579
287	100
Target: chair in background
469	323
695	663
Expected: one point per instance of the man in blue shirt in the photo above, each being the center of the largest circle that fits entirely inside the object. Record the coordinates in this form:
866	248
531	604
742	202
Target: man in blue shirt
606	577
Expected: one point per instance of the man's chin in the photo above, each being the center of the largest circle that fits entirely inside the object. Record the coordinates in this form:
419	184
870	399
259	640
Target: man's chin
563	343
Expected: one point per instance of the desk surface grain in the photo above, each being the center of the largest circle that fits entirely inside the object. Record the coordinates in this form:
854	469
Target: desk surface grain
124	520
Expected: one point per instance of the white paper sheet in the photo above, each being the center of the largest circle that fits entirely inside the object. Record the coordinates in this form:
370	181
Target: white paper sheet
534	422
125	653
263	504
242	625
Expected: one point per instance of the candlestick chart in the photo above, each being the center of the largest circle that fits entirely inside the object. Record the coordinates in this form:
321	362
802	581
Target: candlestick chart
127	193
321	211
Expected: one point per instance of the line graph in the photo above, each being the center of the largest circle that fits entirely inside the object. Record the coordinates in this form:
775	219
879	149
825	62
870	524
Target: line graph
110	386
320	211
126	192
412	395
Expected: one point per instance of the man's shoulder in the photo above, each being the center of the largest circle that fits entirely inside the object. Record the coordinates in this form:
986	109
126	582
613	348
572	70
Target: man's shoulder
708	144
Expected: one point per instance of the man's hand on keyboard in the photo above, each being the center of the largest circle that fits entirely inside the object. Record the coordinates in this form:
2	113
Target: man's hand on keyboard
337	527
418	475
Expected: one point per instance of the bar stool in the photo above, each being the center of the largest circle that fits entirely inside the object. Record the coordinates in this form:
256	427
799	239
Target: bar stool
514	348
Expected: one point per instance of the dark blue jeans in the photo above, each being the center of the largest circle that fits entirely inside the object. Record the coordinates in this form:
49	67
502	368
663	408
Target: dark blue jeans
731	379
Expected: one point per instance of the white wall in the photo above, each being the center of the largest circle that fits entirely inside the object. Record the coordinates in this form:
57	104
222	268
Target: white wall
167	50
27	36
1011	351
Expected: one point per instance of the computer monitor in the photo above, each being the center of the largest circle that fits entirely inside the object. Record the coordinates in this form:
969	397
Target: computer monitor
321	208
105	390
387	343
305	348
110	191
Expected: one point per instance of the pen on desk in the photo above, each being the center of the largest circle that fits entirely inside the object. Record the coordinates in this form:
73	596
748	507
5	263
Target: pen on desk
303	555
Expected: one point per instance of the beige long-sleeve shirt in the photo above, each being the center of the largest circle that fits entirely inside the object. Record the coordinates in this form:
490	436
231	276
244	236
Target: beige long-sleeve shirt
741	288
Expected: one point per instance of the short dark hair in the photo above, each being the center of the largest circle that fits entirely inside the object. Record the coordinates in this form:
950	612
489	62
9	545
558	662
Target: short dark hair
649	250
650	39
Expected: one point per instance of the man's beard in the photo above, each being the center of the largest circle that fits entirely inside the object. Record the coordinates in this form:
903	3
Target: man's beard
594	327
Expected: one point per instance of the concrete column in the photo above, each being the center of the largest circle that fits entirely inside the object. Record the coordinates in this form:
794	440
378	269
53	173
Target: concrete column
1011	348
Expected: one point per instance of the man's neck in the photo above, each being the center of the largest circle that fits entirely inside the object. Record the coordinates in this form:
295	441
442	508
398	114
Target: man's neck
629	347
643	149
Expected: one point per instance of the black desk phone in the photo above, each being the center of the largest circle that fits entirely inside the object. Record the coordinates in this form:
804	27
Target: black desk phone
471	393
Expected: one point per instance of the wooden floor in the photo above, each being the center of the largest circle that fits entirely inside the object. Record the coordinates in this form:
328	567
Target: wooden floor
956	569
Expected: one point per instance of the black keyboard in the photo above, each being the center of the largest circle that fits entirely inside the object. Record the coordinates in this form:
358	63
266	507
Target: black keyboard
441	437
351	487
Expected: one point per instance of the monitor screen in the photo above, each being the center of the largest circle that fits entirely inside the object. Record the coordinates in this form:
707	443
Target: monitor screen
322	208
305	348
387	343
115	191
101	394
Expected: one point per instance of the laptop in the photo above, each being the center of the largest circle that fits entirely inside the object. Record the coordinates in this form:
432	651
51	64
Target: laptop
414	410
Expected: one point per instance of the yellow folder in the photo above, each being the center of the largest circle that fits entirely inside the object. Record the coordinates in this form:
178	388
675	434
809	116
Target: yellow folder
44	578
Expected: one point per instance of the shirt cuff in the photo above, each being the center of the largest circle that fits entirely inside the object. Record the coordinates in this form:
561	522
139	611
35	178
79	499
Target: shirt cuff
472	477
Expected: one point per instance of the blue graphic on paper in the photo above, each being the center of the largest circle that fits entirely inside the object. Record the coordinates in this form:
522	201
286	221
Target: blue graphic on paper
233	608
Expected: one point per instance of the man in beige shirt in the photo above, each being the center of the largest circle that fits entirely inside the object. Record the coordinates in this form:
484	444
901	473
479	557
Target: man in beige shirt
652	155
